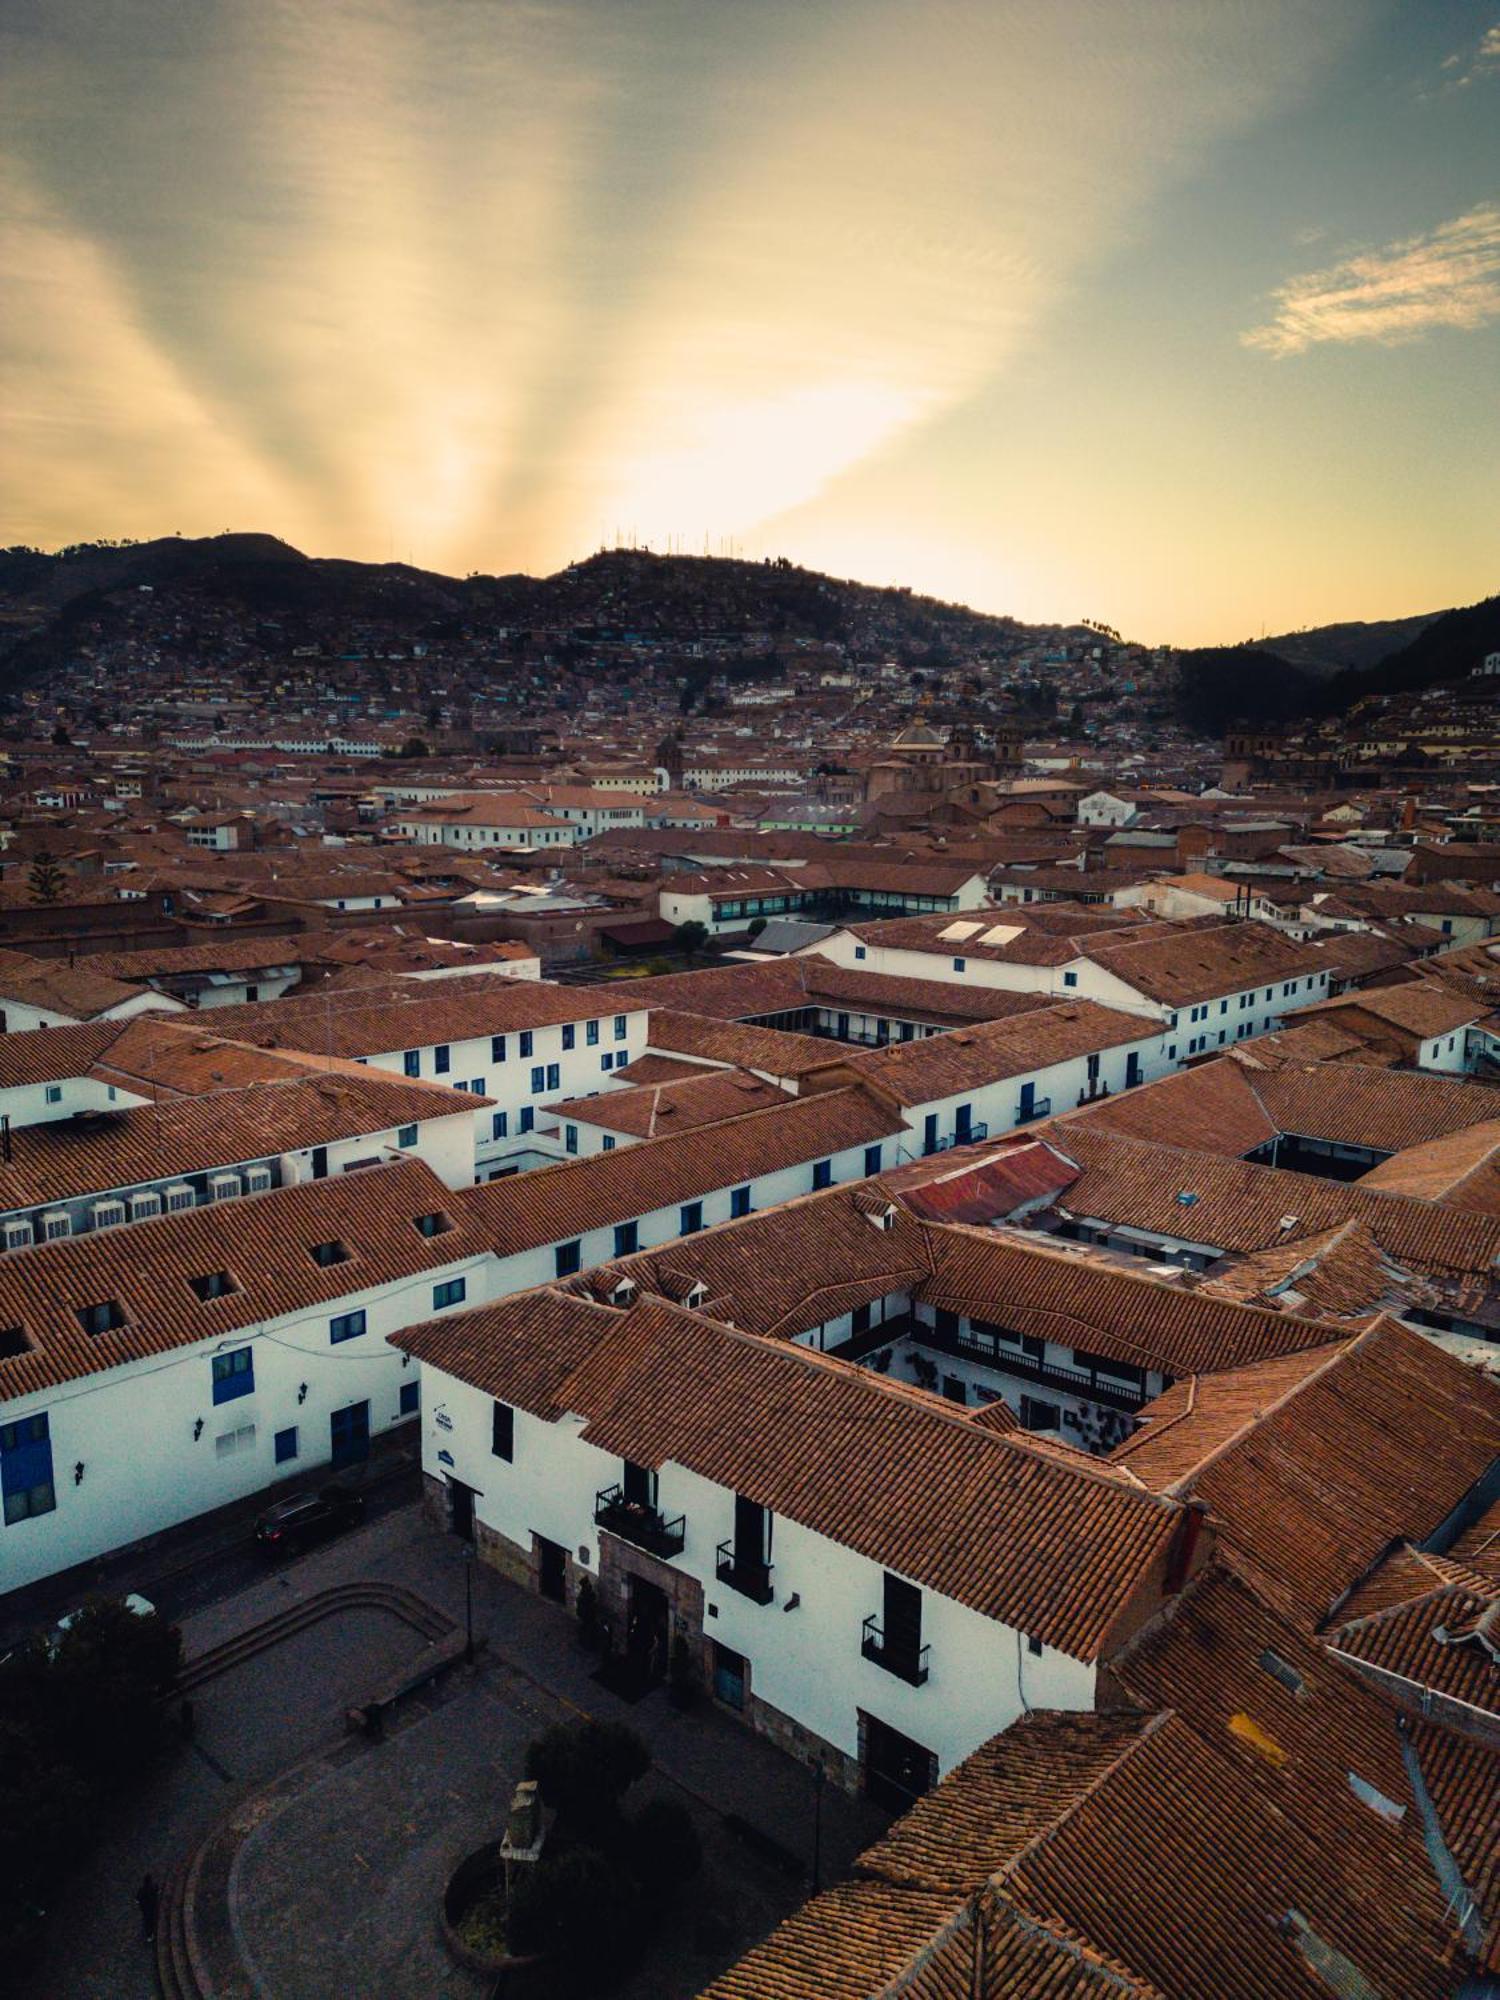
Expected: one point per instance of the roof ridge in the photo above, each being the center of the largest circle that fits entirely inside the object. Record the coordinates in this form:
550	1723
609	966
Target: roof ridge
1151	1725
1341	1349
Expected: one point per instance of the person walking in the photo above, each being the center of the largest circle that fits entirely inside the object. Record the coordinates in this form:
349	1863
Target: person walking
148	1898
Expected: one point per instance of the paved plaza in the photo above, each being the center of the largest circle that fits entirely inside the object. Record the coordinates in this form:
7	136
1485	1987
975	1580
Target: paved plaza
333	1890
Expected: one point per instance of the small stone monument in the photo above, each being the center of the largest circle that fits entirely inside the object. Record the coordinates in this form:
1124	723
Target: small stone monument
521	1843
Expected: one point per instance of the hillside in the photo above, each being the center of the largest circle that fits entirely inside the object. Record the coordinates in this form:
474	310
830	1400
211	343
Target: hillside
1329	649
263	598
1264	685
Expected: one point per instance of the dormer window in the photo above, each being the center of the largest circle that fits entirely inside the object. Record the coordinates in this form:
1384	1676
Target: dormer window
697	1292
213	1285
14	1342
332	1252
104	1317
436	1224
624	1291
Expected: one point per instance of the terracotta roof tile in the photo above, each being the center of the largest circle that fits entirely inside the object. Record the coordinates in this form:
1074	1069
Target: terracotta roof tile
263	1242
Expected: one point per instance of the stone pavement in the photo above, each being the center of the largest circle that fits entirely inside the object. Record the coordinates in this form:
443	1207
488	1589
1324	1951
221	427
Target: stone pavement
335	1891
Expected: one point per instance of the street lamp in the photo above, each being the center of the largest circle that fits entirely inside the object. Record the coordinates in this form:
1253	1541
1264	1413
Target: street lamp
818	1827
468	1604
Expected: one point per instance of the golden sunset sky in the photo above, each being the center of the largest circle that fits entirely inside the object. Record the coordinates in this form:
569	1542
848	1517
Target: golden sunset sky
1180	314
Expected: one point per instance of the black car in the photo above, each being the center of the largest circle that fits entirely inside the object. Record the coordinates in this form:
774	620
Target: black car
305	1518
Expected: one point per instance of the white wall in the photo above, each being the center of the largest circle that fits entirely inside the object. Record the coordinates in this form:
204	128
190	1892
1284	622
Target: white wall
132	1428
20	1015
538	1266
805	1662
508	1079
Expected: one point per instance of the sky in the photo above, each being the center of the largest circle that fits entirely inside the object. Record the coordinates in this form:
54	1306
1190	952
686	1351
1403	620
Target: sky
1182	315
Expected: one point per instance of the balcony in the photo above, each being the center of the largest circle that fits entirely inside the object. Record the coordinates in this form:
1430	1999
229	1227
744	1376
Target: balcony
750	1579
966	1135
1038	1107
634	1521
907	1663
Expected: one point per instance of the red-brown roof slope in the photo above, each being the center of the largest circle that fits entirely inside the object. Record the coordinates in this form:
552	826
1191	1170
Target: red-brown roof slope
264	1242
1052	1546
553	1204
1375	1444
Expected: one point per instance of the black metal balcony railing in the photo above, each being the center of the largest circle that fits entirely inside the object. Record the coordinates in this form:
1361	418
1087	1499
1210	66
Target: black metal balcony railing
750	1578
965	1135
1036	1107
634	1521
907	1663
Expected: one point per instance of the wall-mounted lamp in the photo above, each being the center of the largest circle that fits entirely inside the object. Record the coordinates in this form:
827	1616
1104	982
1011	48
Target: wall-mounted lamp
793	1601
78	1473
302	1393
197	1430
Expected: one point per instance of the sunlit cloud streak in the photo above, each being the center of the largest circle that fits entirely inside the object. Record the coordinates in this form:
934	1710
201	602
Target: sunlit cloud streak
1449	277
483	281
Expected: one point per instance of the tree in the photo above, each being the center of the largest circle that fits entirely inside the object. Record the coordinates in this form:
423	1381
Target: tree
46	880
755	927
415	747
584	1770
691	936
81	1723
580	1909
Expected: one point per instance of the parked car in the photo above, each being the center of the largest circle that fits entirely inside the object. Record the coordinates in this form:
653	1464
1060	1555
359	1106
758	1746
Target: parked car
296	1523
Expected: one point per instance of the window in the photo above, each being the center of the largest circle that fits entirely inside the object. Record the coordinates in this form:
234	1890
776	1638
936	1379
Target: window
608	1145
859	951
476	1086
435	1224
331	1252
591	1033
739	1201
347	1326
570	1138
606	1062
101	1318
539	1078
54	1093
570	1036
450	1293
233	1375
822	1173
527	1120
1039	1415
690	1218
442	1058
229	1444
619	1027
500	1125
411	1062
872	1159
213	1285
569	1257
960	964
1279	1670
503	1431
285	1445
554	1076
406	1135
497	1048
26	1468
411	1398
525	1042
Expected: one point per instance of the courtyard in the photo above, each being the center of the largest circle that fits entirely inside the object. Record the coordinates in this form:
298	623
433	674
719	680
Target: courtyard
323	1852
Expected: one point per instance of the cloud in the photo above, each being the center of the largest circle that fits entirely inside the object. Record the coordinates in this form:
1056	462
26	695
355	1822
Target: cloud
1448	277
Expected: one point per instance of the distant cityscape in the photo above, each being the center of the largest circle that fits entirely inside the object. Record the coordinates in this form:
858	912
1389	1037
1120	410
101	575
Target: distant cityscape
692	1176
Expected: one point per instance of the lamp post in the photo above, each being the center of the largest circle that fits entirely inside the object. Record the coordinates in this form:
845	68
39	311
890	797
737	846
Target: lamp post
468	1604
817	1882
